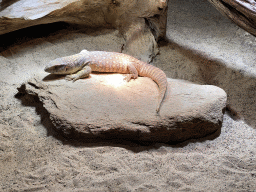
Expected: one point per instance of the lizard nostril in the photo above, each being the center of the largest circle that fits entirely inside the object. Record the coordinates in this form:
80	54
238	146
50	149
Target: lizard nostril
160	8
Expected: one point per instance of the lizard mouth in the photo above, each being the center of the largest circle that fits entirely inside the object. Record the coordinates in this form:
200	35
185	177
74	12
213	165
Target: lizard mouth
51	69
59	69
55	70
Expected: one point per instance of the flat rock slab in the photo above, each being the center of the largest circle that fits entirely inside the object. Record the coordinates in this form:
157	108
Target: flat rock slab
105	106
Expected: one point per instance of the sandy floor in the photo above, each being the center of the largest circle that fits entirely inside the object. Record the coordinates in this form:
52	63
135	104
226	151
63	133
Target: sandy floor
35	158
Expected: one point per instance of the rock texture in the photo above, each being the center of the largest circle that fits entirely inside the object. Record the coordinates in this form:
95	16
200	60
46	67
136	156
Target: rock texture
96	108
141	23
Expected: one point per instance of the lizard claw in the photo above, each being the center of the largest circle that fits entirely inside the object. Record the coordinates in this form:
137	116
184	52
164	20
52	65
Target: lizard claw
71	78
128	77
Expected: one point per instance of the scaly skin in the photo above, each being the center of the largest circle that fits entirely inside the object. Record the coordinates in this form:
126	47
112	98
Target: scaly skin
80	66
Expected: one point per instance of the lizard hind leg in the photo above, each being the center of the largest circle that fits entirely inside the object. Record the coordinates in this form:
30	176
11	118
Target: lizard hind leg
83	73
133	73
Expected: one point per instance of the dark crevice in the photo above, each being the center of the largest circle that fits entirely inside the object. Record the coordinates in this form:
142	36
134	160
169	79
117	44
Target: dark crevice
34	85
21	36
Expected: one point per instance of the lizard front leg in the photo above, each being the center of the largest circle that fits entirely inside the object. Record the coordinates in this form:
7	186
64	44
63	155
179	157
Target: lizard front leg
83	73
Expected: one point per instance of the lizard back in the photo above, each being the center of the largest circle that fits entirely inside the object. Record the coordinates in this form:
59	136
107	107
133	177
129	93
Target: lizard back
102	61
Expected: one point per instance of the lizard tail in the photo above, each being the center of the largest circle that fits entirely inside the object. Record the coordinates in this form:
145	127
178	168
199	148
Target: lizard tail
162	84
159	77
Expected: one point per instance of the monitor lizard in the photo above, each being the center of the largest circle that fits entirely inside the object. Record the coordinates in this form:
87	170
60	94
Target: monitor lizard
80	66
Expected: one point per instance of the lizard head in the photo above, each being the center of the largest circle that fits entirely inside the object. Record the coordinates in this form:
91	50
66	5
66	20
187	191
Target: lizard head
69	64
57	66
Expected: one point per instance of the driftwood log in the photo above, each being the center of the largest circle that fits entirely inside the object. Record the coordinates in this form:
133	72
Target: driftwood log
241	12
140	22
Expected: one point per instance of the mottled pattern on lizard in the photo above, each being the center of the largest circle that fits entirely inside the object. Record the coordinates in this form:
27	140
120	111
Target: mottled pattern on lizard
80	66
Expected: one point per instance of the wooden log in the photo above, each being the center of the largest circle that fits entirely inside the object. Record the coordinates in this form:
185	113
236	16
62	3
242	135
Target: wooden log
241	12
143	21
